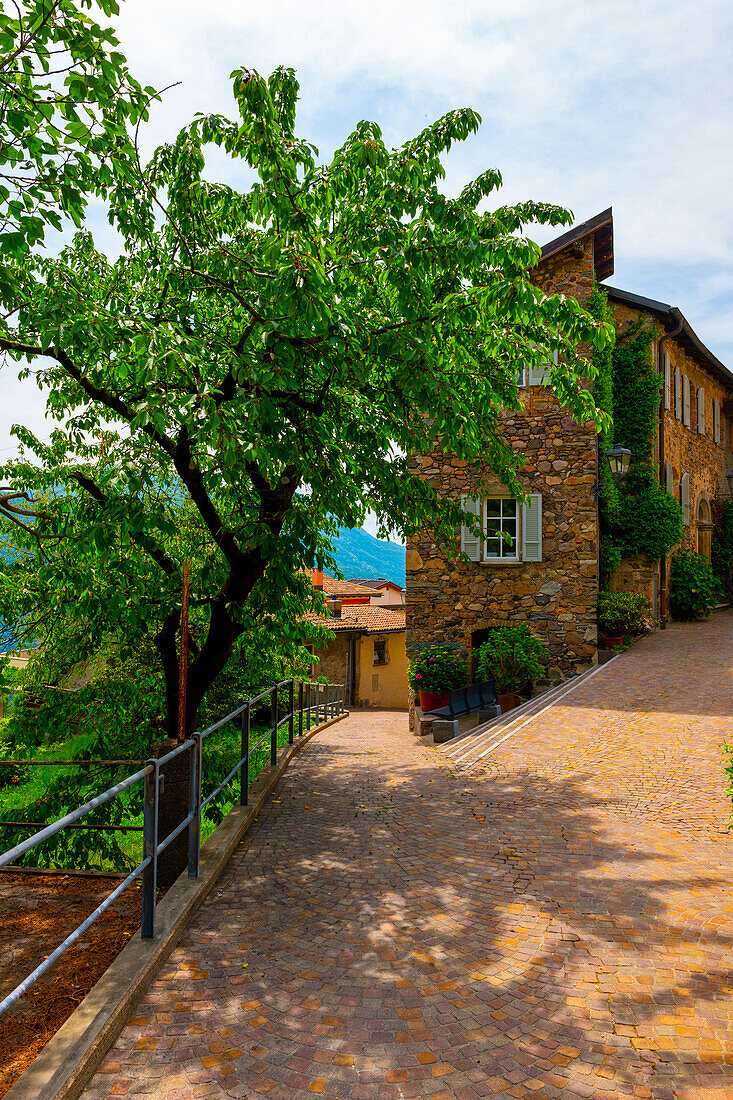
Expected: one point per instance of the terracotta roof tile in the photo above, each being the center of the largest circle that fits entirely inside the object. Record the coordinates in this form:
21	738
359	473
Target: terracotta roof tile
344	589
365	617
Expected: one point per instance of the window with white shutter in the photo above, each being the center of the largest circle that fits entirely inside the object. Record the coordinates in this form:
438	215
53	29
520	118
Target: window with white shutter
532	528
667	381
669	477
685	498
471	543
701	411
677	393
686	419
538	375
716	420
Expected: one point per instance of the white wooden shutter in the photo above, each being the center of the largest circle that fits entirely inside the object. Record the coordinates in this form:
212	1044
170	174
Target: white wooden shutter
685	498
677	393
538	375
471	543
532	528
669	477
686	419
667	381
701	411
716	420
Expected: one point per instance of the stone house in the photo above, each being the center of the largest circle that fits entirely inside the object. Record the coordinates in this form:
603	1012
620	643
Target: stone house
539	561
694	442
367	652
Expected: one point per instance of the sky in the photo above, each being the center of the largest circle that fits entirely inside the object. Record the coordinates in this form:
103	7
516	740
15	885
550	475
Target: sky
627	103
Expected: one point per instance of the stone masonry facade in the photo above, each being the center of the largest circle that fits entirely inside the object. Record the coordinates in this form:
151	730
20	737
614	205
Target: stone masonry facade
451	602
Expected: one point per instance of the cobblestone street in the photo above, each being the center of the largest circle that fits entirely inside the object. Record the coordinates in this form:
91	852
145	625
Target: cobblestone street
554	923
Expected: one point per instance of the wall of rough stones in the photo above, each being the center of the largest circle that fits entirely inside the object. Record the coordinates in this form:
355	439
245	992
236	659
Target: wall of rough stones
448	600
688	451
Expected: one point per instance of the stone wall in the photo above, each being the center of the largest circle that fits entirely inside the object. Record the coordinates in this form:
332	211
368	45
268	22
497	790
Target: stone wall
448	600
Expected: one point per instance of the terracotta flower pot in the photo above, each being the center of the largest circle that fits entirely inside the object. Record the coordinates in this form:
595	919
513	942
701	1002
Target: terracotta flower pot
509	701
430	700
613	640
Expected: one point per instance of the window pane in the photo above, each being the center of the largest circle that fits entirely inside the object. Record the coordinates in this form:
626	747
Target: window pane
492	548
493	507
492	527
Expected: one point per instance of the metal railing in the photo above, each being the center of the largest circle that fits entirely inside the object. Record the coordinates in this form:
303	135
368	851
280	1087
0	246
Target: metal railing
324	701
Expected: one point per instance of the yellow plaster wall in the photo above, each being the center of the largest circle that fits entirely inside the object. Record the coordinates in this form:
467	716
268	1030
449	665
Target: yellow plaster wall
382	685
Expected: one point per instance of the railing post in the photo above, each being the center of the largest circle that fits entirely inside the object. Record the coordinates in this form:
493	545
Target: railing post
194	806
300	708
244	770
150	848
273	720
308	695
291	711
330	700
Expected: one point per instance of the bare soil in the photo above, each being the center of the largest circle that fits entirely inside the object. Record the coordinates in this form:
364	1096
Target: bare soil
36	913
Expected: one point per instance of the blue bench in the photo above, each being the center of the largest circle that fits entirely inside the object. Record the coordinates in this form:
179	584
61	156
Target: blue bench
467	699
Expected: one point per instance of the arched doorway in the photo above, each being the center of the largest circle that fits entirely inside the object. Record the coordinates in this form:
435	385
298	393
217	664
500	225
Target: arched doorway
704	527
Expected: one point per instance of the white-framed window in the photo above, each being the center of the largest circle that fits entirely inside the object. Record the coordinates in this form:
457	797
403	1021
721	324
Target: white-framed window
667	381
701	411
716	420
677	393
536	376
512	531
501	528
686	401
685	498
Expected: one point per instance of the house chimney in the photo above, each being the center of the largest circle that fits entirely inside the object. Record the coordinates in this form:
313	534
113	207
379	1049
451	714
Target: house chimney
334	607
317	579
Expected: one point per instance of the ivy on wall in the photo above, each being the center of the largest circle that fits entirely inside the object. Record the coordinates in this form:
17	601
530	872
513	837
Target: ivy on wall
641	517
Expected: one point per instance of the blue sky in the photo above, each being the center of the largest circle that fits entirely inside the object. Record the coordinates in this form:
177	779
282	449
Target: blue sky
626	103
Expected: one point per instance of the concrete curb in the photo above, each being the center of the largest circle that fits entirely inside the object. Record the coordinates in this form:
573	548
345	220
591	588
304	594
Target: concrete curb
69	1060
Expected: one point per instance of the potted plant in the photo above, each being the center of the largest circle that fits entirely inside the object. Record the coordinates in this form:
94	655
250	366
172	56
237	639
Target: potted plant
434	673
514	657
620	614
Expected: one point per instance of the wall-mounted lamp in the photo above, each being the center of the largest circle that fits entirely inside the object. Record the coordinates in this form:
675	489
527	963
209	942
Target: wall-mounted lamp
729	479
619	459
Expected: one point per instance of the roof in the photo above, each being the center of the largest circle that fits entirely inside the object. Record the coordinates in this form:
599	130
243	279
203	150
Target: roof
344	589
674	322
364	618
378	582
601	226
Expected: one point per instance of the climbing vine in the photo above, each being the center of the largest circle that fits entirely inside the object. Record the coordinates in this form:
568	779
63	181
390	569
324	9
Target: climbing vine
642	517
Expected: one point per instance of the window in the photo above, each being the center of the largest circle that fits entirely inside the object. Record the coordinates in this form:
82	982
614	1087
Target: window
667	381
686	419
380	651
535	376
512	532
669	477
501	526
677	393
685	498
701	411
716	420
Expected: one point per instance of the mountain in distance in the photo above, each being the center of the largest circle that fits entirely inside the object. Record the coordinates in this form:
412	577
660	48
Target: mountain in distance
360	554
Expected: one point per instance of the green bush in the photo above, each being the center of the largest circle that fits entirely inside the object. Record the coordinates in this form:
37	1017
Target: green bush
721	557
648	519
513	656
623	613
436	669
694	589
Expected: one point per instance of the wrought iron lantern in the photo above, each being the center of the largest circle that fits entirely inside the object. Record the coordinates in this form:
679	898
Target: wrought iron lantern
619	459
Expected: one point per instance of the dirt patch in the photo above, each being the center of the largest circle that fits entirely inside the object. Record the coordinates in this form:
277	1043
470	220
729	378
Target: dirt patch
36	913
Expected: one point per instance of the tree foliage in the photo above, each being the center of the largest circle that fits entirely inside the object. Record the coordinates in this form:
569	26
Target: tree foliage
268	357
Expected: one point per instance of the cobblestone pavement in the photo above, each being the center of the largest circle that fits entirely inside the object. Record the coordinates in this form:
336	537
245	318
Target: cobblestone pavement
556	924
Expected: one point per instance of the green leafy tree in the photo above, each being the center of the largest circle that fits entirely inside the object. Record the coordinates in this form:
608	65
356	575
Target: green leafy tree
66	102
270	356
